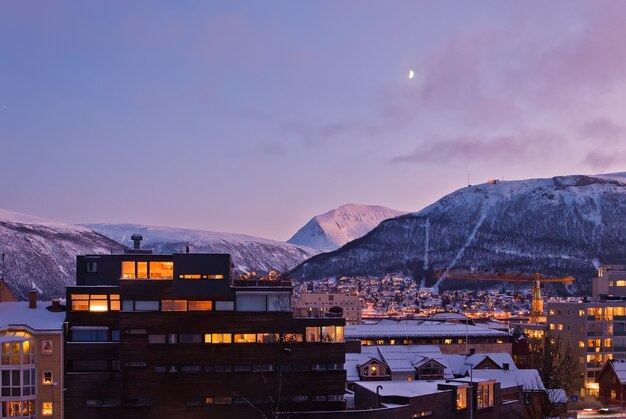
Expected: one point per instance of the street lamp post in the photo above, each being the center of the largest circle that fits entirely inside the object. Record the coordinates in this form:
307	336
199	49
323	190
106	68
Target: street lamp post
471	392
378	388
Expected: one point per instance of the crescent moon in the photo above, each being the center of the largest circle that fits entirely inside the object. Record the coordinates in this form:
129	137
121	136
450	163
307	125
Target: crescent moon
411	74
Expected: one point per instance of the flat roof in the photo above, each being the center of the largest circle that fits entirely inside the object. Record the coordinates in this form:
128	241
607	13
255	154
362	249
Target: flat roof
417	329
40	318
404	388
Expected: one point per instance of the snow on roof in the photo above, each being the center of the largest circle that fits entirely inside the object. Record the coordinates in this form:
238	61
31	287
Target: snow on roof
557	395
527	378
458	367
404	388
400	358
425	329
40	318
620	370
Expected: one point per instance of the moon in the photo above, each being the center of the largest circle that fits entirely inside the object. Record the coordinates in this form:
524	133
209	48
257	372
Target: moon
411	74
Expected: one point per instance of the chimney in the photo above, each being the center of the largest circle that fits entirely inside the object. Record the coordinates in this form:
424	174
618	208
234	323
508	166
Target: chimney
32	298
56	306
505	366
136	238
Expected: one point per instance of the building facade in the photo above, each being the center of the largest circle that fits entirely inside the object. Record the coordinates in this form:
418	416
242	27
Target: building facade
31	359
319	305
174	336
595	332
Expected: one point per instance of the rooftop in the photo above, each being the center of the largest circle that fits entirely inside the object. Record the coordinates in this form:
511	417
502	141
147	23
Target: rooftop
416	328
40	318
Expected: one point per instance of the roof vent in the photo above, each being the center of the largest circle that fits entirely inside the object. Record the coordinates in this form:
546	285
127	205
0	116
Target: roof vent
136	238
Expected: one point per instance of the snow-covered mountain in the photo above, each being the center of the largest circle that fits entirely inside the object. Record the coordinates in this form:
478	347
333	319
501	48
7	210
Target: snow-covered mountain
43	252
337	227
566	225
248	253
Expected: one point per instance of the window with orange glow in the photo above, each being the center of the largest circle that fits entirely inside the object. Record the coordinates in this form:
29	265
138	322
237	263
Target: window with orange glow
161	270
173	305
245	338
142	270
200	305
46	409
46	378
128	269
95	302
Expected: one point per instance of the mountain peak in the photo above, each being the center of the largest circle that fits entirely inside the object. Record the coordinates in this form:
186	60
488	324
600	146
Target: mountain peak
333	229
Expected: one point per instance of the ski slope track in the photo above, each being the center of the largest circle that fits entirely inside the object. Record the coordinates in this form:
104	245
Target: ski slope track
558	226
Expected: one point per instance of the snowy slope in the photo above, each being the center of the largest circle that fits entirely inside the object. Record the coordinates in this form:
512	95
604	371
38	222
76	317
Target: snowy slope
564	225
337	227
43	252
248	253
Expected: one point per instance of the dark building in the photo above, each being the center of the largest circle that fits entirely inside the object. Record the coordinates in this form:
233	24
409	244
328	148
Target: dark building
176	336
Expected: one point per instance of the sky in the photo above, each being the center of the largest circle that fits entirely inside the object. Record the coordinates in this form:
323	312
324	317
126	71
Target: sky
252	117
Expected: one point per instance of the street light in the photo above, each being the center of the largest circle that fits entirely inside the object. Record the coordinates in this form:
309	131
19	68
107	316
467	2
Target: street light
378	388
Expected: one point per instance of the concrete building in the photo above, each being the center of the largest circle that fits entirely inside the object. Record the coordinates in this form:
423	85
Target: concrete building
318	305
31	359
450	337
610	282
595	332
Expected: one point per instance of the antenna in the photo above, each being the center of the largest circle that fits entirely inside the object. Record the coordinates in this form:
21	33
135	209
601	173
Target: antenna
468	184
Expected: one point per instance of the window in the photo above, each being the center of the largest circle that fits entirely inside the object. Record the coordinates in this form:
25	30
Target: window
17	408
156	339
128	269
313	334
461	398
91	365
189	338
161	270
332	333
224	305
142	270
252	302
89	334
200	305
146	306
267	338
218	338
92	267
46	347
174	305
485	395
245	338
95	302
46	378
17	383
293	337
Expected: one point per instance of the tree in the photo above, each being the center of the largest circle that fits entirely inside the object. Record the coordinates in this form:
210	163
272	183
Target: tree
561	369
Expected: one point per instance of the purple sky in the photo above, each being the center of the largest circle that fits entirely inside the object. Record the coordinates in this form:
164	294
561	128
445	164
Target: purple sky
252	117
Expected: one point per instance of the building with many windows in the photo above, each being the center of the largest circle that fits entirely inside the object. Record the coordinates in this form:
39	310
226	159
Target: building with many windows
320	305
31	359
595	332
174	336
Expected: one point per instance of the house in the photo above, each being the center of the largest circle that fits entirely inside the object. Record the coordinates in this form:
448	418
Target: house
612	382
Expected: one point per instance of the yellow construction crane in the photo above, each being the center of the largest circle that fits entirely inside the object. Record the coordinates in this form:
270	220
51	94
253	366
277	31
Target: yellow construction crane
536	279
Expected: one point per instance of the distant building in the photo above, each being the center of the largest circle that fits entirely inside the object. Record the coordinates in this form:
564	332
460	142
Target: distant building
450	337
595	332
321	305
610	282
5	292
172	336
31	359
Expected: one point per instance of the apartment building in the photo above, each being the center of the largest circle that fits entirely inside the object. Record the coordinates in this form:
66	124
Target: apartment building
174	336
31	359
321	305
595	332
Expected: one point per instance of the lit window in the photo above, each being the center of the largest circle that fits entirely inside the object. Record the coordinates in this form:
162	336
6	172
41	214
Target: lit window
80	302
621	283
267	338
581	344
313	334
581	313
293	337
190	276
46	378
218	338
98	302
200	305
128	269
46	409
461	398
161	270
218	276
560	327
174	305
245	338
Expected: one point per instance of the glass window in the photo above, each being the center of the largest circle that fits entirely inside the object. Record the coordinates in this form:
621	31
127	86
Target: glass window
293	337
46	378
161	270
332	334
174	305
218	338
46	409
189	338
142	270
146	306
128	269
313	334
251	303
93	365
267	337
156	339
46	347
245	338
89	335
200	305
461	398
